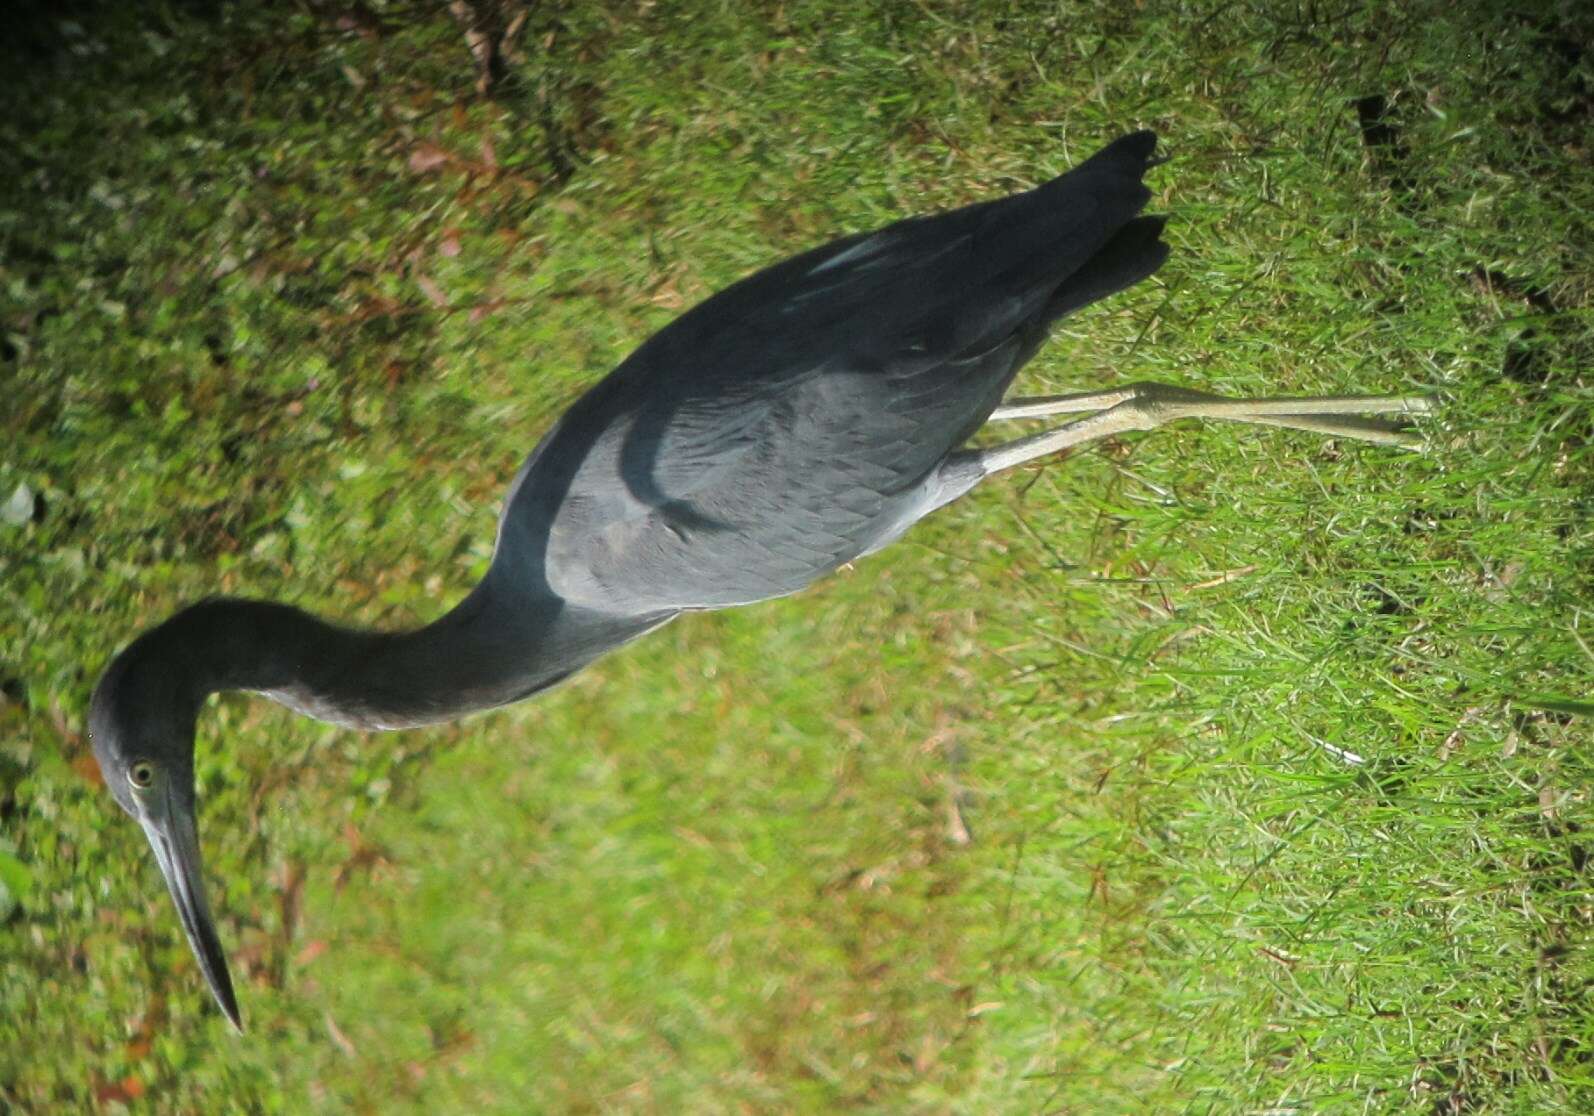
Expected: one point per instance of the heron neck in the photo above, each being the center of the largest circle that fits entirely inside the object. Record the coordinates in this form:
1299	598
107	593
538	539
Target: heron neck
496	646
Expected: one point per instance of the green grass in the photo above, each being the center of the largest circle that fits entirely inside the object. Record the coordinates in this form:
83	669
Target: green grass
1044	809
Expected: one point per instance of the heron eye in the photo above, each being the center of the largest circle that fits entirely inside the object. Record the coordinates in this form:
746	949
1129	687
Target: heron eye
141	774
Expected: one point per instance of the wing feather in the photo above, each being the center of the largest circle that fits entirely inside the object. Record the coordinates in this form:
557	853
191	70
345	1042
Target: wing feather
788	423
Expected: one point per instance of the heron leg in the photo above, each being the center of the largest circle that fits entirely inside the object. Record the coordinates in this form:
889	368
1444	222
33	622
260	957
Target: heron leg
1039	406
1156	404
1147	406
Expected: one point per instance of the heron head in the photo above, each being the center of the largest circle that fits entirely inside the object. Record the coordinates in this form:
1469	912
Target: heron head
141	723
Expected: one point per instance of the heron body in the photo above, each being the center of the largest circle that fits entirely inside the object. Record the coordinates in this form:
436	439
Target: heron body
797	420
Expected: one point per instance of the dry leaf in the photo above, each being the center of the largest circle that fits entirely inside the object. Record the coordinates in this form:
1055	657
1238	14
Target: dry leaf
434	293
482	309
89	768
129	1088
427	157
339	1039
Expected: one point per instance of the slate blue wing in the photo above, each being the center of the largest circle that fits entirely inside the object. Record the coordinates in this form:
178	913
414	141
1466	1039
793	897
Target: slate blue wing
796	419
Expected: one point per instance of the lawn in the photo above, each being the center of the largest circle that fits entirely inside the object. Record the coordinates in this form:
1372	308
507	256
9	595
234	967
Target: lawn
1215	770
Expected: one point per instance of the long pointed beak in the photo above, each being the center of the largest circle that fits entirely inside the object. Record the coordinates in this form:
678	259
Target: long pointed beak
174	836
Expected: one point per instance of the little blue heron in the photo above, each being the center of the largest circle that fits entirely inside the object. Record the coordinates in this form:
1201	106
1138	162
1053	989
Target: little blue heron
799	419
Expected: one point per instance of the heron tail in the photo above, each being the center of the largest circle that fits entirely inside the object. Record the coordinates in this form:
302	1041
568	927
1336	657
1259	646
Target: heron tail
1133	253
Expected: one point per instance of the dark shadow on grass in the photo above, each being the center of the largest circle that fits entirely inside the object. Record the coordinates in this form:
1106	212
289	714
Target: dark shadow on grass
1381	136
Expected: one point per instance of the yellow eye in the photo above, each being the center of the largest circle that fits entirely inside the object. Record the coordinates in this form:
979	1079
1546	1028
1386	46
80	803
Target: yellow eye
141	774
